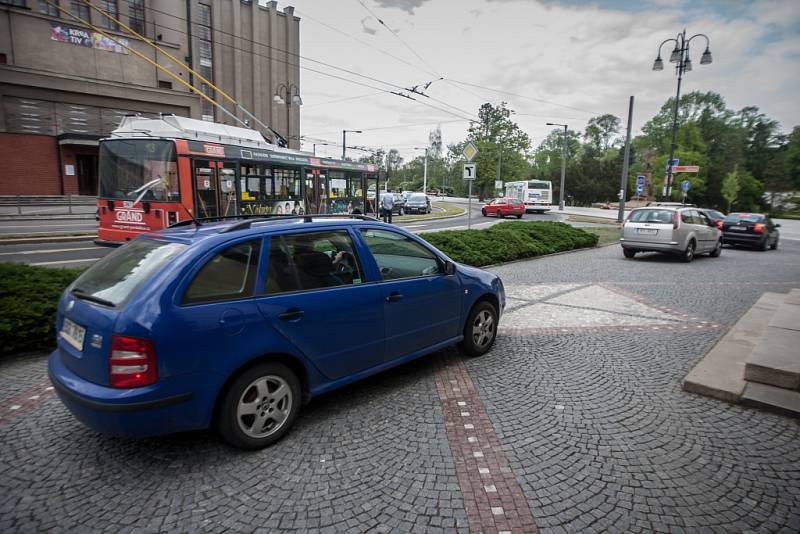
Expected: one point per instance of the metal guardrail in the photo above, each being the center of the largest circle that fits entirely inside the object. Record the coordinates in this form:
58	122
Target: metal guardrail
46	204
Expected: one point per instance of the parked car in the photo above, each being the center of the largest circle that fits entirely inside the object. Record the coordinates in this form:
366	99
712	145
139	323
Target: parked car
669	204
235	324
674	230
502	207
716	216
398	207
750	229
418	203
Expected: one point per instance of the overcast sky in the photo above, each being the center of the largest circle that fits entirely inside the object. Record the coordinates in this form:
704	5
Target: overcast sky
564	61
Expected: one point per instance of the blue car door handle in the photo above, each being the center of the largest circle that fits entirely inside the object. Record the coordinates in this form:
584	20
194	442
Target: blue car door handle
394	297
291	315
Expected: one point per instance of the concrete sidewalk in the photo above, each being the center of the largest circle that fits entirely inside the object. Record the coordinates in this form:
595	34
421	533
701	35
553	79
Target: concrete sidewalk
757	362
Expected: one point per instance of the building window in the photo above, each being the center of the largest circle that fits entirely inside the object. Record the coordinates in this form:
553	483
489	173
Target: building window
110	7
206	57
48	9
136	15
80	10
18	3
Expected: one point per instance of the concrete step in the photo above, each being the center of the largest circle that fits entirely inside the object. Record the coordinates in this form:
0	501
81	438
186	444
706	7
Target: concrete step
776	360
720	374
772	398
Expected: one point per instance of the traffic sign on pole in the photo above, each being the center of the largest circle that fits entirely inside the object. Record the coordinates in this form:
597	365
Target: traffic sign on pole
685	168
639	184
469	171
671	163
470	151
685	185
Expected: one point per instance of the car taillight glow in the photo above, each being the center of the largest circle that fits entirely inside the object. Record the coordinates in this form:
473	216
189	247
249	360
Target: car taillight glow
758	228
132	362
719	224
675	219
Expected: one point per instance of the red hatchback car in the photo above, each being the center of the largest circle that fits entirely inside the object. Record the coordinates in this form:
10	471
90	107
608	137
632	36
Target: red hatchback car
502	207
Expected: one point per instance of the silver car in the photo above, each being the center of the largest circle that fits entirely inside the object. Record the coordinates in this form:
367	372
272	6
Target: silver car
675	230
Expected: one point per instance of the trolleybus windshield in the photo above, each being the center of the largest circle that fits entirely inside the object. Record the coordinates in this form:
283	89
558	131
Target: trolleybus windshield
126	165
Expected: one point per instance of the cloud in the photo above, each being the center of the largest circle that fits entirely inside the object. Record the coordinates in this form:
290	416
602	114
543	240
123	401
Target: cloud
406	5
588	55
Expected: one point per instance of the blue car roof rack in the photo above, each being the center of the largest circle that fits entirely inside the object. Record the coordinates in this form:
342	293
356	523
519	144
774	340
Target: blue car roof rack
248	219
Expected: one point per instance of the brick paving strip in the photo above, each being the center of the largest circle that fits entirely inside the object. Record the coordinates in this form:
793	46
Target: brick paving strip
22	403
493	499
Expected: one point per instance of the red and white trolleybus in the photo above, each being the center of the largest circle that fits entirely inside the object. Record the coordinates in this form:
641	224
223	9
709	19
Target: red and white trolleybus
156	172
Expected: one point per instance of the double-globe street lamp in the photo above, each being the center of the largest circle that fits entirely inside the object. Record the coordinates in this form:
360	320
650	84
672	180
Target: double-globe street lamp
563	165
287	93
683	63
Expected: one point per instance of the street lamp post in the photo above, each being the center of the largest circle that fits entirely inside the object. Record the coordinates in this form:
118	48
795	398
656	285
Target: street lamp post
344	141
425	170
287	93
683	63
563	165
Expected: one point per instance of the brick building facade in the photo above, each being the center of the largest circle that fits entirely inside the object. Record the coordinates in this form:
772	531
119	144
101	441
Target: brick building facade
63	85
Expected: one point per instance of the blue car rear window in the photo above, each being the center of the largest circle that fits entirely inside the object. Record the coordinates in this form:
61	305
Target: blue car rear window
115	277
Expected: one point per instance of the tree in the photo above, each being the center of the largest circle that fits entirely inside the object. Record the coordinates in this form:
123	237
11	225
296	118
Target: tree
601	131
730	187
494	130
793	158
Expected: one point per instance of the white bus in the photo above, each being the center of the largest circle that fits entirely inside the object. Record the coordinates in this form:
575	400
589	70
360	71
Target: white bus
536	194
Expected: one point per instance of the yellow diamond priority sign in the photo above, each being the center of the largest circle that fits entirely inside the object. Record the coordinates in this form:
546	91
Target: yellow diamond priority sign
470	151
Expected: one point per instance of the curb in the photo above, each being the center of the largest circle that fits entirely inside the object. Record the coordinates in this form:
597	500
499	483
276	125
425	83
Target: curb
584	249
52	238
442	218
34	217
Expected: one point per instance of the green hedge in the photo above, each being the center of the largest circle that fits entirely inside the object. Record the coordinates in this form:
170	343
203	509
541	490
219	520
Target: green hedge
28	300
508	241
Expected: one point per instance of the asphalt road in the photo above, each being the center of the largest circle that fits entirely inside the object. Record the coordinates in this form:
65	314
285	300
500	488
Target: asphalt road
84	253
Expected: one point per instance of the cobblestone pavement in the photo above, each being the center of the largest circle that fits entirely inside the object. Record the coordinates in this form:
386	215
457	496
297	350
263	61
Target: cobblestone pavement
575	421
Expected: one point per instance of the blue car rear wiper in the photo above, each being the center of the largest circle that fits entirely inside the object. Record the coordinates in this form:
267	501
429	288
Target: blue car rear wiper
81	294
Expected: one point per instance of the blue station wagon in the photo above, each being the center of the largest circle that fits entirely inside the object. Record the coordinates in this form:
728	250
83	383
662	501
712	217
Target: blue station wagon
233	324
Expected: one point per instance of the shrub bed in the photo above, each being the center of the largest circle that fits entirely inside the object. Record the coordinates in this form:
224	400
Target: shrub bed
508	241
28	300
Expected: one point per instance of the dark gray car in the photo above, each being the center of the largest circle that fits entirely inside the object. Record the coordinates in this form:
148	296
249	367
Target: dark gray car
418	203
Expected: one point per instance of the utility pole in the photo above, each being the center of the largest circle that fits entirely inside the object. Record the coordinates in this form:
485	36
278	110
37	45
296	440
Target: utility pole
623	186
499	158
344	141
563	165
425	173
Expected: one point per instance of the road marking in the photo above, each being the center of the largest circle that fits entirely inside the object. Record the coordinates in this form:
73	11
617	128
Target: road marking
49	251
41	263
414	225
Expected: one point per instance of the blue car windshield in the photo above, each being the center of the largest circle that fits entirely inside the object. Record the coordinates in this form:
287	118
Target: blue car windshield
113	279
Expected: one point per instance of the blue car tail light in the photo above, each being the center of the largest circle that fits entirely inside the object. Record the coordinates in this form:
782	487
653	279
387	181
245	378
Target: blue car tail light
132	362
